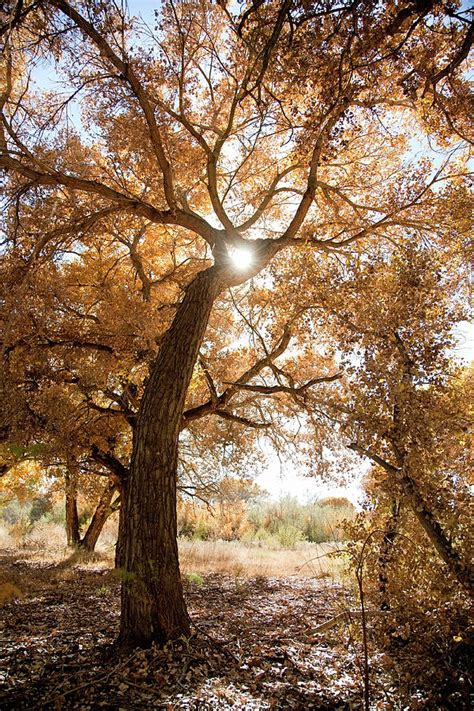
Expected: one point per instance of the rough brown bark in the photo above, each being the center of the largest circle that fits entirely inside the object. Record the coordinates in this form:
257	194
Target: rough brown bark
153	607
462	570
72	518
101	514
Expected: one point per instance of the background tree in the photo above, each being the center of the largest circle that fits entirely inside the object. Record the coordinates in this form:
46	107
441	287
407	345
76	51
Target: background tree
75	384
405	407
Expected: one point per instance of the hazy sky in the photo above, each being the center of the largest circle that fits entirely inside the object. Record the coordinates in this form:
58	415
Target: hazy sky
282	481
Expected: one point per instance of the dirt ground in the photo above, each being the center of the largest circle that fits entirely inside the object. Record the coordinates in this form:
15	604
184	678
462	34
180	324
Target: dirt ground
254	645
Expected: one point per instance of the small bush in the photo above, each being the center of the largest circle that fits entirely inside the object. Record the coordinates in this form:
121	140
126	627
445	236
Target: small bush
261	537
56	514
288	536
195	578
202	531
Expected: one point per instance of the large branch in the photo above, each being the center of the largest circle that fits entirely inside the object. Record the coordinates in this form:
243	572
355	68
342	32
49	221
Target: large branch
389	468
418	8
311	185
455	62
220	401
110	462
241	92
127	73
180	218
265	53
266	200
61	343
217	403
389	220
272	389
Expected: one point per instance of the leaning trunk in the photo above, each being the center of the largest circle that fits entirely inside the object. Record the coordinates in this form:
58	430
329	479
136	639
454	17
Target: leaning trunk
72	517
153	607
461	570
101	514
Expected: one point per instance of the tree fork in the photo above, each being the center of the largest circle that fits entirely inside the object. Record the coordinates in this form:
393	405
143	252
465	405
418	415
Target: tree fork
153	607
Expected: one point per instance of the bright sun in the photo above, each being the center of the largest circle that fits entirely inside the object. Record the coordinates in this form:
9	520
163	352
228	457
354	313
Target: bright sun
241	258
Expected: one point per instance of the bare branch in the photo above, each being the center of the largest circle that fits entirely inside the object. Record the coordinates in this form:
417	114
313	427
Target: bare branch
272	389
242	420
138	90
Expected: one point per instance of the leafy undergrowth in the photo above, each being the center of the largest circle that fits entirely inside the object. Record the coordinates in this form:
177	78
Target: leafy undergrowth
254	646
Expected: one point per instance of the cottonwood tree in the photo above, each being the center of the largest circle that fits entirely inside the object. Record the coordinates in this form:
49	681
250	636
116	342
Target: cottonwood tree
283	130
46	387
405	404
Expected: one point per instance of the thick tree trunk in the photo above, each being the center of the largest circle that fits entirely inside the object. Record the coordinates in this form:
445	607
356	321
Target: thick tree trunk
101	514
72	518
153	607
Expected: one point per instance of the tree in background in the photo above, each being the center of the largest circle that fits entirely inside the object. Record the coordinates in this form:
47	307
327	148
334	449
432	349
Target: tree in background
406	405
288	124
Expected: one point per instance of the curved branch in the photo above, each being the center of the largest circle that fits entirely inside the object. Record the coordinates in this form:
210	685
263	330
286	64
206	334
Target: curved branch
192	222
215	403
107	460
272	389
455	62
138	90
269	195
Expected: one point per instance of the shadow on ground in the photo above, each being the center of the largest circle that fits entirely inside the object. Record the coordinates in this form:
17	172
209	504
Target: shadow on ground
252	646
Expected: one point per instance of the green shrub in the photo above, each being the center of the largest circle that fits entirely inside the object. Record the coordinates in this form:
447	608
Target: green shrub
202	531
195	578
261	536
40	506
289	535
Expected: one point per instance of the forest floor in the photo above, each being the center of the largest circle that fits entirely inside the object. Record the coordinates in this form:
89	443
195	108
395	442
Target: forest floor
255	645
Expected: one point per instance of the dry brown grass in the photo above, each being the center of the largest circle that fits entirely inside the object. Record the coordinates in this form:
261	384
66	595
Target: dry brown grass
47	542
308	560
6	539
